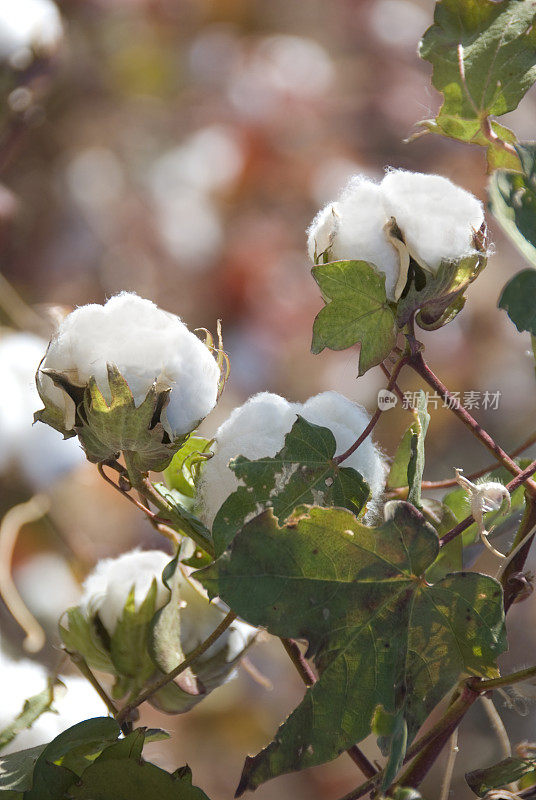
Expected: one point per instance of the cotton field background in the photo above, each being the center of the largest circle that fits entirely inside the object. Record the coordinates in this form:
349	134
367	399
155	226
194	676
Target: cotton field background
179	149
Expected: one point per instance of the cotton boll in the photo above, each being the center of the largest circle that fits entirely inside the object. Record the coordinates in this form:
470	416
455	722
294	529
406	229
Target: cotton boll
347	420
359	232
148	346
254	430
107	588
437	218
258	428
37	452
322	232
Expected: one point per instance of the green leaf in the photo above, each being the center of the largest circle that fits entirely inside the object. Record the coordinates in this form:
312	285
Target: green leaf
109	779
81	635
416	459
398	740
441	298
180	519
66	757
16	769
302	472
483	55
512	197
450	557
518	299
380	636
356	311
499	775
31	711
183	471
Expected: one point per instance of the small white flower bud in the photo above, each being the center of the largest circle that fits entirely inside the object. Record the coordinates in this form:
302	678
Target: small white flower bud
258	429
483	497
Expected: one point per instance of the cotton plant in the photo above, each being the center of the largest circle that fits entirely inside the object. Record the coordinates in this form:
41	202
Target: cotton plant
290	518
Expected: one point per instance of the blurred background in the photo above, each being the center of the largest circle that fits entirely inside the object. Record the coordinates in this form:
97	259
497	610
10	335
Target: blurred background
179	149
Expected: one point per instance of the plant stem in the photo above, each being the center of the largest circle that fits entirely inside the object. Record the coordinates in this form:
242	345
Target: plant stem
81	664
512	580
417	362
309	678
504	680
375	417
420	767
170	676
449	769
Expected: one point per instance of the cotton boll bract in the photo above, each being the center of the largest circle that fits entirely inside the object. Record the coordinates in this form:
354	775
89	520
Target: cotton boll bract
153	352
258	428
37	452
437	218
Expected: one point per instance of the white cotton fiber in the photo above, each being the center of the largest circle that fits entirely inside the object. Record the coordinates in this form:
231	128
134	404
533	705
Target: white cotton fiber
257	429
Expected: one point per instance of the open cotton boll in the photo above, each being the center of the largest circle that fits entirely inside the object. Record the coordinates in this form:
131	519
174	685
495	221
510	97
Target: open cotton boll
437	218
26	678
147	345
37	452
356	230
107	588
28	24
254	430
347	420
258	428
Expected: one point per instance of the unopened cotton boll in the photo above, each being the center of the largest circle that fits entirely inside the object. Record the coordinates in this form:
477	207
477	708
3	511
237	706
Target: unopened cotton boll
36	452
437	218
107	588
153	351
258	428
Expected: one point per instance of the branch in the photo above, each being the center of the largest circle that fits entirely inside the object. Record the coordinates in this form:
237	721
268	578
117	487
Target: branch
417	362
375	417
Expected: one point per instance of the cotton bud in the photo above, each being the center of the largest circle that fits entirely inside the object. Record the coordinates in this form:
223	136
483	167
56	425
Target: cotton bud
407	216
258	428
127	377
34	453
115	629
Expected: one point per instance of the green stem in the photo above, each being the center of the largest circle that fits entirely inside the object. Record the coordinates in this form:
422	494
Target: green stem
170	676
505	680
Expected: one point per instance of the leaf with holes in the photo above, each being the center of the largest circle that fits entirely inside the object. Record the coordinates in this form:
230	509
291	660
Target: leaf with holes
381	637
356	311
302	472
